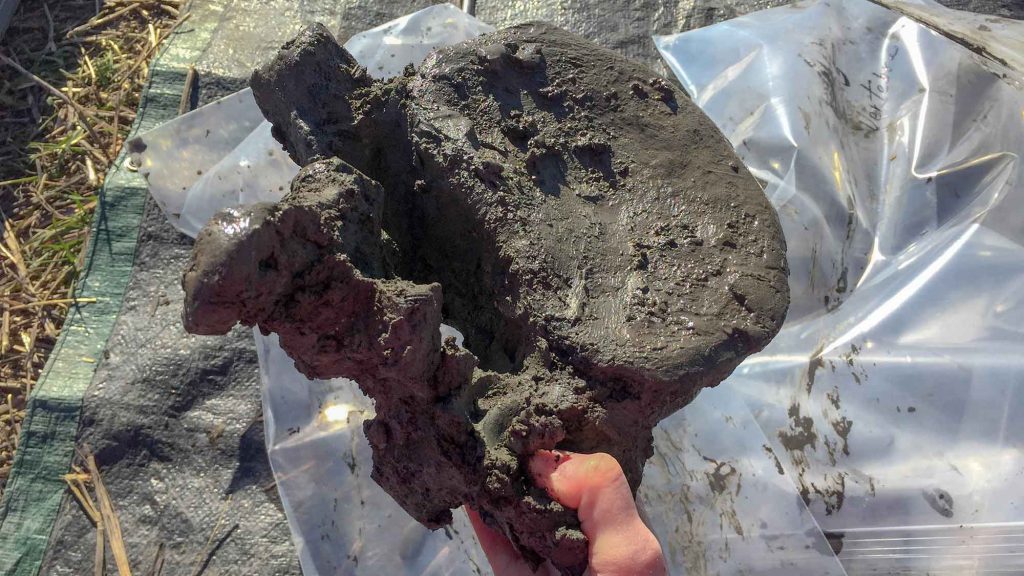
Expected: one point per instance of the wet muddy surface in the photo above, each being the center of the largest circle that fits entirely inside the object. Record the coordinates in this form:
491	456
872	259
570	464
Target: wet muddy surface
578	219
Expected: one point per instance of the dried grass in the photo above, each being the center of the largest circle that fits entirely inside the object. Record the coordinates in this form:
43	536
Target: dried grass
102	515
86	485
70	81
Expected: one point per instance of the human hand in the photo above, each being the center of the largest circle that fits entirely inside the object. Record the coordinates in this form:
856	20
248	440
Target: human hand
593	485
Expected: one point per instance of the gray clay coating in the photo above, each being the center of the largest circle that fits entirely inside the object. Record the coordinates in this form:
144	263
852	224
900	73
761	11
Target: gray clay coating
574	215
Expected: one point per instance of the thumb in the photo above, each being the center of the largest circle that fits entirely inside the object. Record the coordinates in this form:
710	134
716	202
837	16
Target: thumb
593	484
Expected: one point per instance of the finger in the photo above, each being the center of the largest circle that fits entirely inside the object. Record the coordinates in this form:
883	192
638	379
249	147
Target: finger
593	484
504	559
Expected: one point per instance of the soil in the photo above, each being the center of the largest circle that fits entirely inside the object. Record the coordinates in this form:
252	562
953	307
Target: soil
574	215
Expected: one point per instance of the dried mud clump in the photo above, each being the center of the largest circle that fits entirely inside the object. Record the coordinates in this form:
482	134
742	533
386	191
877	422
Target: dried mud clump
575	216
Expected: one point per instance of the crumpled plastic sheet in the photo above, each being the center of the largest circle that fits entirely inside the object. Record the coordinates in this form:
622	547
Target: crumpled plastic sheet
886	402
893	394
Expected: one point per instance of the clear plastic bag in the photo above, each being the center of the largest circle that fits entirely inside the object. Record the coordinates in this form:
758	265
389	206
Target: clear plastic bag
174	156
892	156
886	401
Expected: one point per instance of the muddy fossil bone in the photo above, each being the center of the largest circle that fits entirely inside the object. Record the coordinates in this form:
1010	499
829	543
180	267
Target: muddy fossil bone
587	228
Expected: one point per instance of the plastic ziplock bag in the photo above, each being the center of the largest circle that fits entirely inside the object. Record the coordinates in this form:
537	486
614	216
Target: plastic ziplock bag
892	393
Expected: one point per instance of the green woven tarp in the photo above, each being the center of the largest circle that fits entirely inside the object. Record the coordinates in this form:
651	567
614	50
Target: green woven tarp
46	447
